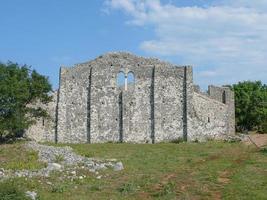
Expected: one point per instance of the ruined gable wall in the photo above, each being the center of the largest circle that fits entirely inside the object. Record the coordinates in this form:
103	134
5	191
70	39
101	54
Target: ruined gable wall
136	101
92	87
160	106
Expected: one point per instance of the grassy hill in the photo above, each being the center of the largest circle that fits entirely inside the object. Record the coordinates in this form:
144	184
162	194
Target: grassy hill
212	170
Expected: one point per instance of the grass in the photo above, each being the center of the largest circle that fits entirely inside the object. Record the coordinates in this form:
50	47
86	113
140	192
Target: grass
9	191
59	158
212	170
15	156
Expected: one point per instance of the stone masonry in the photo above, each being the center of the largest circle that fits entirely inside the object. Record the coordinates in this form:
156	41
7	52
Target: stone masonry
161	104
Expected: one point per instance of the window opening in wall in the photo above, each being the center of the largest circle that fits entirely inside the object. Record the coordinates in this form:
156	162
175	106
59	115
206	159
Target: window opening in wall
130	78
224	97
121	79
43	121
124	81
208	119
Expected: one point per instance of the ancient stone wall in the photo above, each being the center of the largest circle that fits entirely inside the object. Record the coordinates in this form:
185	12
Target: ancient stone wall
162	104
226	96
92	108
44	128
212	116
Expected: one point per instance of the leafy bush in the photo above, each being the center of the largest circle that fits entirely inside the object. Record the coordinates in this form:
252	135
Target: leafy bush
9	191
264	150
251	106
20	87
263	128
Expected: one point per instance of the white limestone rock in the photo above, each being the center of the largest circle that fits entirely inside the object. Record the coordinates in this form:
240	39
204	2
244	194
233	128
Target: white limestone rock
118	166
32	195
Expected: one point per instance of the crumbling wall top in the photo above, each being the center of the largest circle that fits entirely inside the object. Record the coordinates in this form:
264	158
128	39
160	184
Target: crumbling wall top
113	59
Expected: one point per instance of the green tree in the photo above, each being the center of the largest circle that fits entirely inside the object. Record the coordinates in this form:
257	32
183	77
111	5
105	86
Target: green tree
20	87
251	105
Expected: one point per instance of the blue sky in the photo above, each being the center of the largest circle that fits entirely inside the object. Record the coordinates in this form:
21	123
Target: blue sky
224	40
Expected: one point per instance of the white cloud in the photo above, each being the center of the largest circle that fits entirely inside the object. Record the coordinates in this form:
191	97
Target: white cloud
259	5
207	74
230	35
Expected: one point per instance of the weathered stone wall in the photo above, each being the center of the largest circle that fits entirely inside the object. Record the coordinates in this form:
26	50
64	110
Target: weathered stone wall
213	115
161	105
225	95
72	106
44	128
208	119
92	108
168	103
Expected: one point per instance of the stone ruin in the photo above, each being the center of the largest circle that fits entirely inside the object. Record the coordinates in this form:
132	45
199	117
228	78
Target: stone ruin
120	97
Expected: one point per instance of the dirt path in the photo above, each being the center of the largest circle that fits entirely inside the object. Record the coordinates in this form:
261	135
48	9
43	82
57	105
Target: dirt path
258	139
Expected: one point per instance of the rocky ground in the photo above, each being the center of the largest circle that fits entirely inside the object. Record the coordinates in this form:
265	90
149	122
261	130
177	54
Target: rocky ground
61	159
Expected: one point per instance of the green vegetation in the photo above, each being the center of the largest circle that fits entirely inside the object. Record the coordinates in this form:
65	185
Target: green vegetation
212	170
19	87
251	106
59	158
10	191
15	156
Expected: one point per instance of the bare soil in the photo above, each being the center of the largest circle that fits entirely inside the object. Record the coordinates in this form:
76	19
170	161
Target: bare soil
258	139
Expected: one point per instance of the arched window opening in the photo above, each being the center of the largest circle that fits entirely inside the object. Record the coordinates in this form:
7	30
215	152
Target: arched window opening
121	79
224	97
130	78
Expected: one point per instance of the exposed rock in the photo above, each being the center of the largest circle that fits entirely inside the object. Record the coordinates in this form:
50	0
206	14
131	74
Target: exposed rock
69	162
31	195
233	138
73	172
50	154
118	166
2	172
54	166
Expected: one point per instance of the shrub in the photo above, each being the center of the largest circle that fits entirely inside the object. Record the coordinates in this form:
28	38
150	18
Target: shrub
264	150
20	87
263	128
250	105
